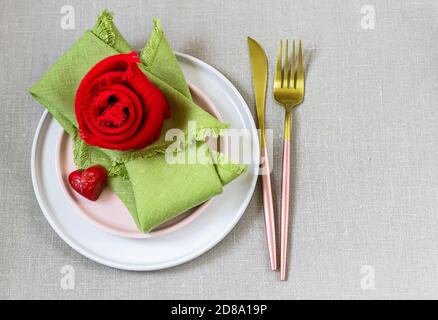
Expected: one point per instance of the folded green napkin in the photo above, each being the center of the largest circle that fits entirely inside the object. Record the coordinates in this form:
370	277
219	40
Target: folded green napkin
153	190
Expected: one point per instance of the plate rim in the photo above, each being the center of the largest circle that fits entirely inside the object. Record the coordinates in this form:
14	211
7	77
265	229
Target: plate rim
163	265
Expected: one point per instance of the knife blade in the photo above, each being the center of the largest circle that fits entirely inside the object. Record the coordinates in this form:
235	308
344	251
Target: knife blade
259	66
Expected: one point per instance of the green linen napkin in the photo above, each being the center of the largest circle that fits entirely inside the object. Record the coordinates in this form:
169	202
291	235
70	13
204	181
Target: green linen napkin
153	190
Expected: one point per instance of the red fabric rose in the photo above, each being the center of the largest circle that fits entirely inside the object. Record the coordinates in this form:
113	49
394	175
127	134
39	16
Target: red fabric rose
117	107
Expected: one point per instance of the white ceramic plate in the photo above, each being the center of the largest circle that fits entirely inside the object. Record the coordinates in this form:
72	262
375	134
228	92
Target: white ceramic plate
168	250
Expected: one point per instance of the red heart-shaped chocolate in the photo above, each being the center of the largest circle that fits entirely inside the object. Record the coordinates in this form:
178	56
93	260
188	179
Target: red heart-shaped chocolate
90	182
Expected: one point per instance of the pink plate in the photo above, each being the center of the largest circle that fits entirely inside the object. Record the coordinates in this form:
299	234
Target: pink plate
109	213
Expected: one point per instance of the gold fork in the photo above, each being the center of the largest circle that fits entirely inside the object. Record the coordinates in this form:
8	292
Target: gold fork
289	92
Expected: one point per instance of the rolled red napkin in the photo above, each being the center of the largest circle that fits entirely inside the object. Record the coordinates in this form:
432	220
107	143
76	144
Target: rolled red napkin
117	107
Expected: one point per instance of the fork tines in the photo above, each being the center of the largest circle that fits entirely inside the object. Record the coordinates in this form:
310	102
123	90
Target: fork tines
286	76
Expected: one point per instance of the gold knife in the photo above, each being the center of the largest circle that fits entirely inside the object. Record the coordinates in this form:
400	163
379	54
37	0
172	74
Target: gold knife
259	66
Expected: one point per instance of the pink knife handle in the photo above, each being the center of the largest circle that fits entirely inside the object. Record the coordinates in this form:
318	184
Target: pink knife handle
285	187
269	208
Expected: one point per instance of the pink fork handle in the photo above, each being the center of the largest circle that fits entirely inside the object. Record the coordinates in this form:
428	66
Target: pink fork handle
285	187
269	209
